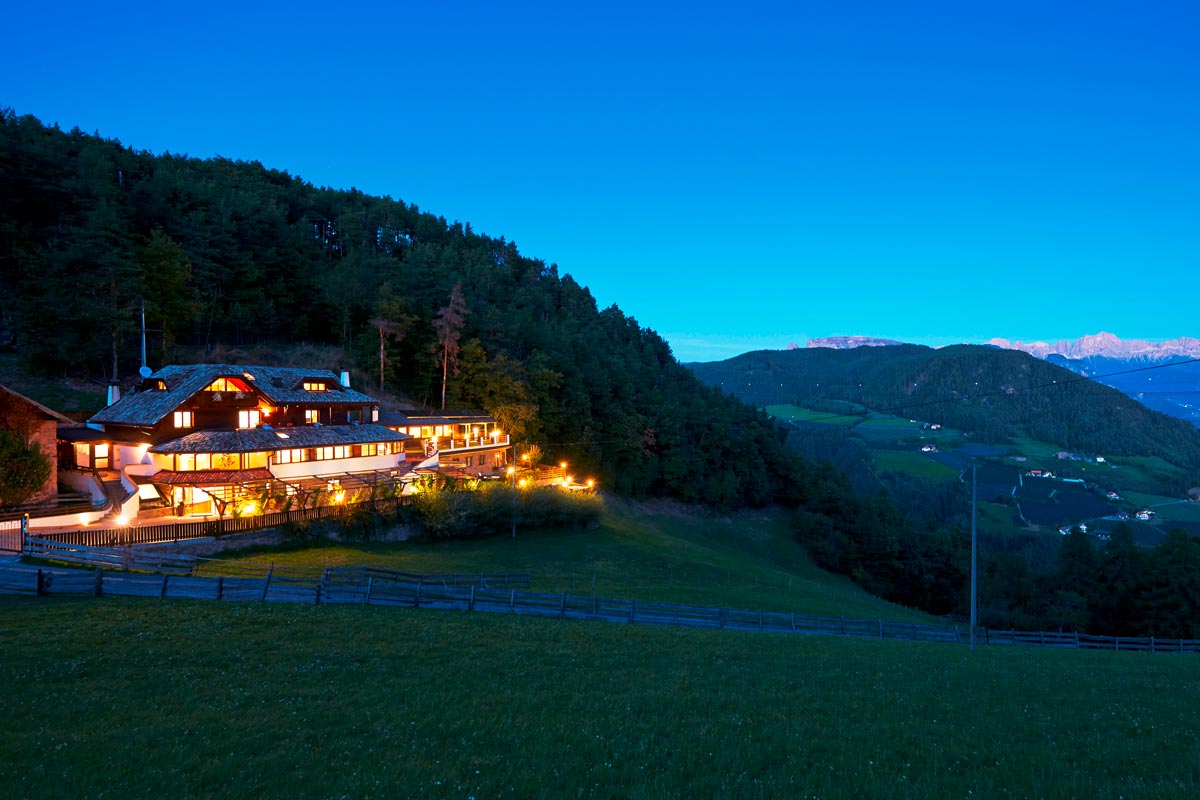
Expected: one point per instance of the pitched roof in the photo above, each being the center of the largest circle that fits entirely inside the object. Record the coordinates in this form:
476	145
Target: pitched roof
210	477
277	385
257	440
47	412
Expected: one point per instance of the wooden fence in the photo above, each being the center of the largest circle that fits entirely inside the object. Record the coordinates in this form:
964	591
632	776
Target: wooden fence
364	586
142	560
182	531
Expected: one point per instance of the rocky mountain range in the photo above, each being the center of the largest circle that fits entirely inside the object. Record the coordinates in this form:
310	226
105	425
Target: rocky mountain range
1107	345
849	342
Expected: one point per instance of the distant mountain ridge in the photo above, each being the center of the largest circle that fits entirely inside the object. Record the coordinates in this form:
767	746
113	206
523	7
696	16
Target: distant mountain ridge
850	342
1106	345
988	392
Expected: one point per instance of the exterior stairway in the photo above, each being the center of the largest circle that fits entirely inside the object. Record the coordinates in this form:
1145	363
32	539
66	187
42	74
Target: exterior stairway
116	493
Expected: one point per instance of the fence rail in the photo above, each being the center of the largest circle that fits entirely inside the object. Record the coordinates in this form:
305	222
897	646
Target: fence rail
183	531
367	586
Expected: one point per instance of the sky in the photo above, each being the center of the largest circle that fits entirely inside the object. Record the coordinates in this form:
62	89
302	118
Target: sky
735	177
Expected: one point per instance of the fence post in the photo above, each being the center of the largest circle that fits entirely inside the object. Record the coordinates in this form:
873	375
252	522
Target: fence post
267	582
41	589
1076	640
471	599
843	625
1117	644
512	601
880	629
417	599
562	609
371	580
99	582
163	591
632	609
957	635
220	586
793	615
595	605
760	615
1151	644
721	616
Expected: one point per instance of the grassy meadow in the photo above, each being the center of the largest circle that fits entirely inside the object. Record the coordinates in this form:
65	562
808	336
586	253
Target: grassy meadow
641	551
126	698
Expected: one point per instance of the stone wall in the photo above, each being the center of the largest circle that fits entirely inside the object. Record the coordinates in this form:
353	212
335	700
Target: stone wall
45	436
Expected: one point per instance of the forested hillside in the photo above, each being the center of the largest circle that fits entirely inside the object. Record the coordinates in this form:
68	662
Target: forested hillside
992	394
227	253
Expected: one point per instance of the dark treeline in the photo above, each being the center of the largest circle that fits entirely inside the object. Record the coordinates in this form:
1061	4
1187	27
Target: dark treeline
989	393
1110	588
227	253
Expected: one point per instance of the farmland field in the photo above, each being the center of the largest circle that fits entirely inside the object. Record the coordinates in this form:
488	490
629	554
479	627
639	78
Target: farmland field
195	699
799	414
913	462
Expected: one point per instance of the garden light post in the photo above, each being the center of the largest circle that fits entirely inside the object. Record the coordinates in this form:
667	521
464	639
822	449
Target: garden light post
512	471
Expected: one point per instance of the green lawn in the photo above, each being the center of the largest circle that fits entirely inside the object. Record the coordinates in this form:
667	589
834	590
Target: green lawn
130	698
914	462
799	414
648	552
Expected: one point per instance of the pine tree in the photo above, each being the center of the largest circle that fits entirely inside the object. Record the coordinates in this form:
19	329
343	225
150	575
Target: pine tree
449	324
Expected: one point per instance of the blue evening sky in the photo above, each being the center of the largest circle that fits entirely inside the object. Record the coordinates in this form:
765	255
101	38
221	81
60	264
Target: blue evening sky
734	177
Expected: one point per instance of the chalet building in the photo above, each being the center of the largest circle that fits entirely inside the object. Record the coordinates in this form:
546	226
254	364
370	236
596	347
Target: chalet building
38	425
458	442
227	439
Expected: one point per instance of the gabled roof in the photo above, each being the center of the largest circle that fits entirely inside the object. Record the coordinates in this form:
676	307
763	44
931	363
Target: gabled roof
277	385
37	407
257	440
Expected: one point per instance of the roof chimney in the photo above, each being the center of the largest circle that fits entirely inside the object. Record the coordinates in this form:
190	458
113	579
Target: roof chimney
346	379
114	393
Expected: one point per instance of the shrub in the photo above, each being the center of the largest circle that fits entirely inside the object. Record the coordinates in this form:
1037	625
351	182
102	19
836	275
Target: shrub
450	512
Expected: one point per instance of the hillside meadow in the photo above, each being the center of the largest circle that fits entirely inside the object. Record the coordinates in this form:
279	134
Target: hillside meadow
123	698
652	551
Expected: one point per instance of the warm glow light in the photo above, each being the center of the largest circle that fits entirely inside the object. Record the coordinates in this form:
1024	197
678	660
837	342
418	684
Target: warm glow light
250	507
496	433
122	521
339	497
512	470
84	521
522	483
591	483
563	465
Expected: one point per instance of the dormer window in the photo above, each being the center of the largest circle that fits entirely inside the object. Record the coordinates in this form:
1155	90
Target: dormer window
315	386
159	385
227	385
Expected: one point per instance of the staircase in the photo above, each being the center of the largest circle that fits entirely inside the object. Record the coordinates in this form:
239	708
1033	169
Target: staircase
116	493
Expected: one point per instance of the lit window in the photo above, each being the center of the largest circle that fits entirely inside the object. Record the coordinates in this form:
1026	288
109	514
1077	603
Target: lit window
249	419
203	461
283	457
314	386
311	415
226	461
227	385
183	419
185	462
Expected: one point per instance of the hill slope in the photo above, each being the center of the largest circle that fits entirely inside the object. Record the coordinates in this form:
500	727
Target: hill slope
224	253
993	394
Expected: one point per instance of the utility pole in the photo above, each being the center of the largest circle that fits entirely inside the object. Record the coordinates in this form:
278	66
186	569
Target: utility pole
973	550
